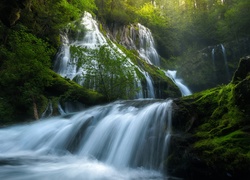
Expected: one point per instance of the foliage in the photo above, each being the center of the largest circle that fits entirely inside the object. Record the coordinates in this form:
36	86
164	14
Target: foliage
150	15
46	18
107	71
26	53
24	72
177	25
236	21
84	5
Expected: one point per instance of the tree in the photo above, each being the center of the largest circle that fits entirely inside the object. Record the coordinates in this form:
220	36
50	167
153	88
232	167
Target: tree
106	71
235	22
25	70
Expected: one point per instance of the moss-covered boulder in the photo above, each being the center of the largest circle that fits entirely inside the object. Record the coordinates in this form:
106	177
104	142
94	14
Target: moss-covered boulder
58	91
211	137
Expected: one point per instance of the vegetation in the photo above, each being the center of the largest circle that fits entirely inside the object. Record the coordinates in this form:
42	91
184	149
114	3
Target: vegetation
107	71
26	55
185	32
178	25
218	122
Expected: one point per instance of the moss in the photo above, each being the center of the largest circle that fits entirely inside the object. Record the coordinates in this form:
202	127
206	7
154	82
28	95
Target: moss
220	132
82	95
221	141
165	84
228	151
69	90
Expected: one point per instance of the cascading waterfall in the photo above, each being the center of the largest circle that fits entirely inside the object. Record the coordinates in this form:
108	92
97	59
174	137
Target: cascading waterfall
60	109
213	61
150	88
63	64
48	111
183	88
147	49
122	140
213	57
66	65
225	61
139	94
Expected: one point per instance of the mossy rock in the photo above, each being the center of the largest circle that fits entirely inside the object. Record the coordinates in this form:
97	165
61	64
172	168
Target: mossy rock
212	132
243	70
69	90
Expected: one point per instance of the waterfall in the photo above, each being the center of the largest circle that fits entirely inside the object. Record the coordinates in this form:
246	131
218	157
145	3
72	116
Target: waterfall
213	57
65	64
147	49
150	88
48	111
138	85
85	70
60	109
225	61
183	88
121	140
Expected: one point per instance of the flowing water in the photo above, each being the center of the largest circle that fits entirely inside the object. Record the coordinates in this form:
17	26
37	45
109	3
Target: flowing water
183	88
67	66
225	61
213	57
121	140
146	48
150	87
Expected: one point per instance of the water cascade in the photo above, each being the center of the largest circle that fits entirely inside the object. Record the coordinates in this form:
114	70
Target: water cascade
123	140
139	94
183	88
60	109
66	65
213	57
147	49
93	39
150	88
48	111
225	61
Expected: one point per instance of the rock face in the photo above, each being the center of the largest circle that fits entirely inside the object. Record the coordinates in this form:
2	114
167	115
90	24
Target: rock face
211	131
243	69
242	80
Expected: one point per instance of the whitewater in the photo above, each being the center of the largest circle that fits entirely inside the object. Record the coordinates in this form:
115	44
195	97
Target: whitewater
121	140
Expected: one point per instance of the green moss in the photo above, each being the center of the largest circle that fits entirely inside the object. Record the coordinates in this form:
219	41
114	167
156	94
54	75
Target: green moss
227	151
221	132
220	137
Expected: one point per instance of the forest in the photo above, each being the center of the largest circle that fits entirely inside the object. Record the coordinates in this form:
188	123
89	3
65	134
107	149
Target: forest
30	34
206	42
